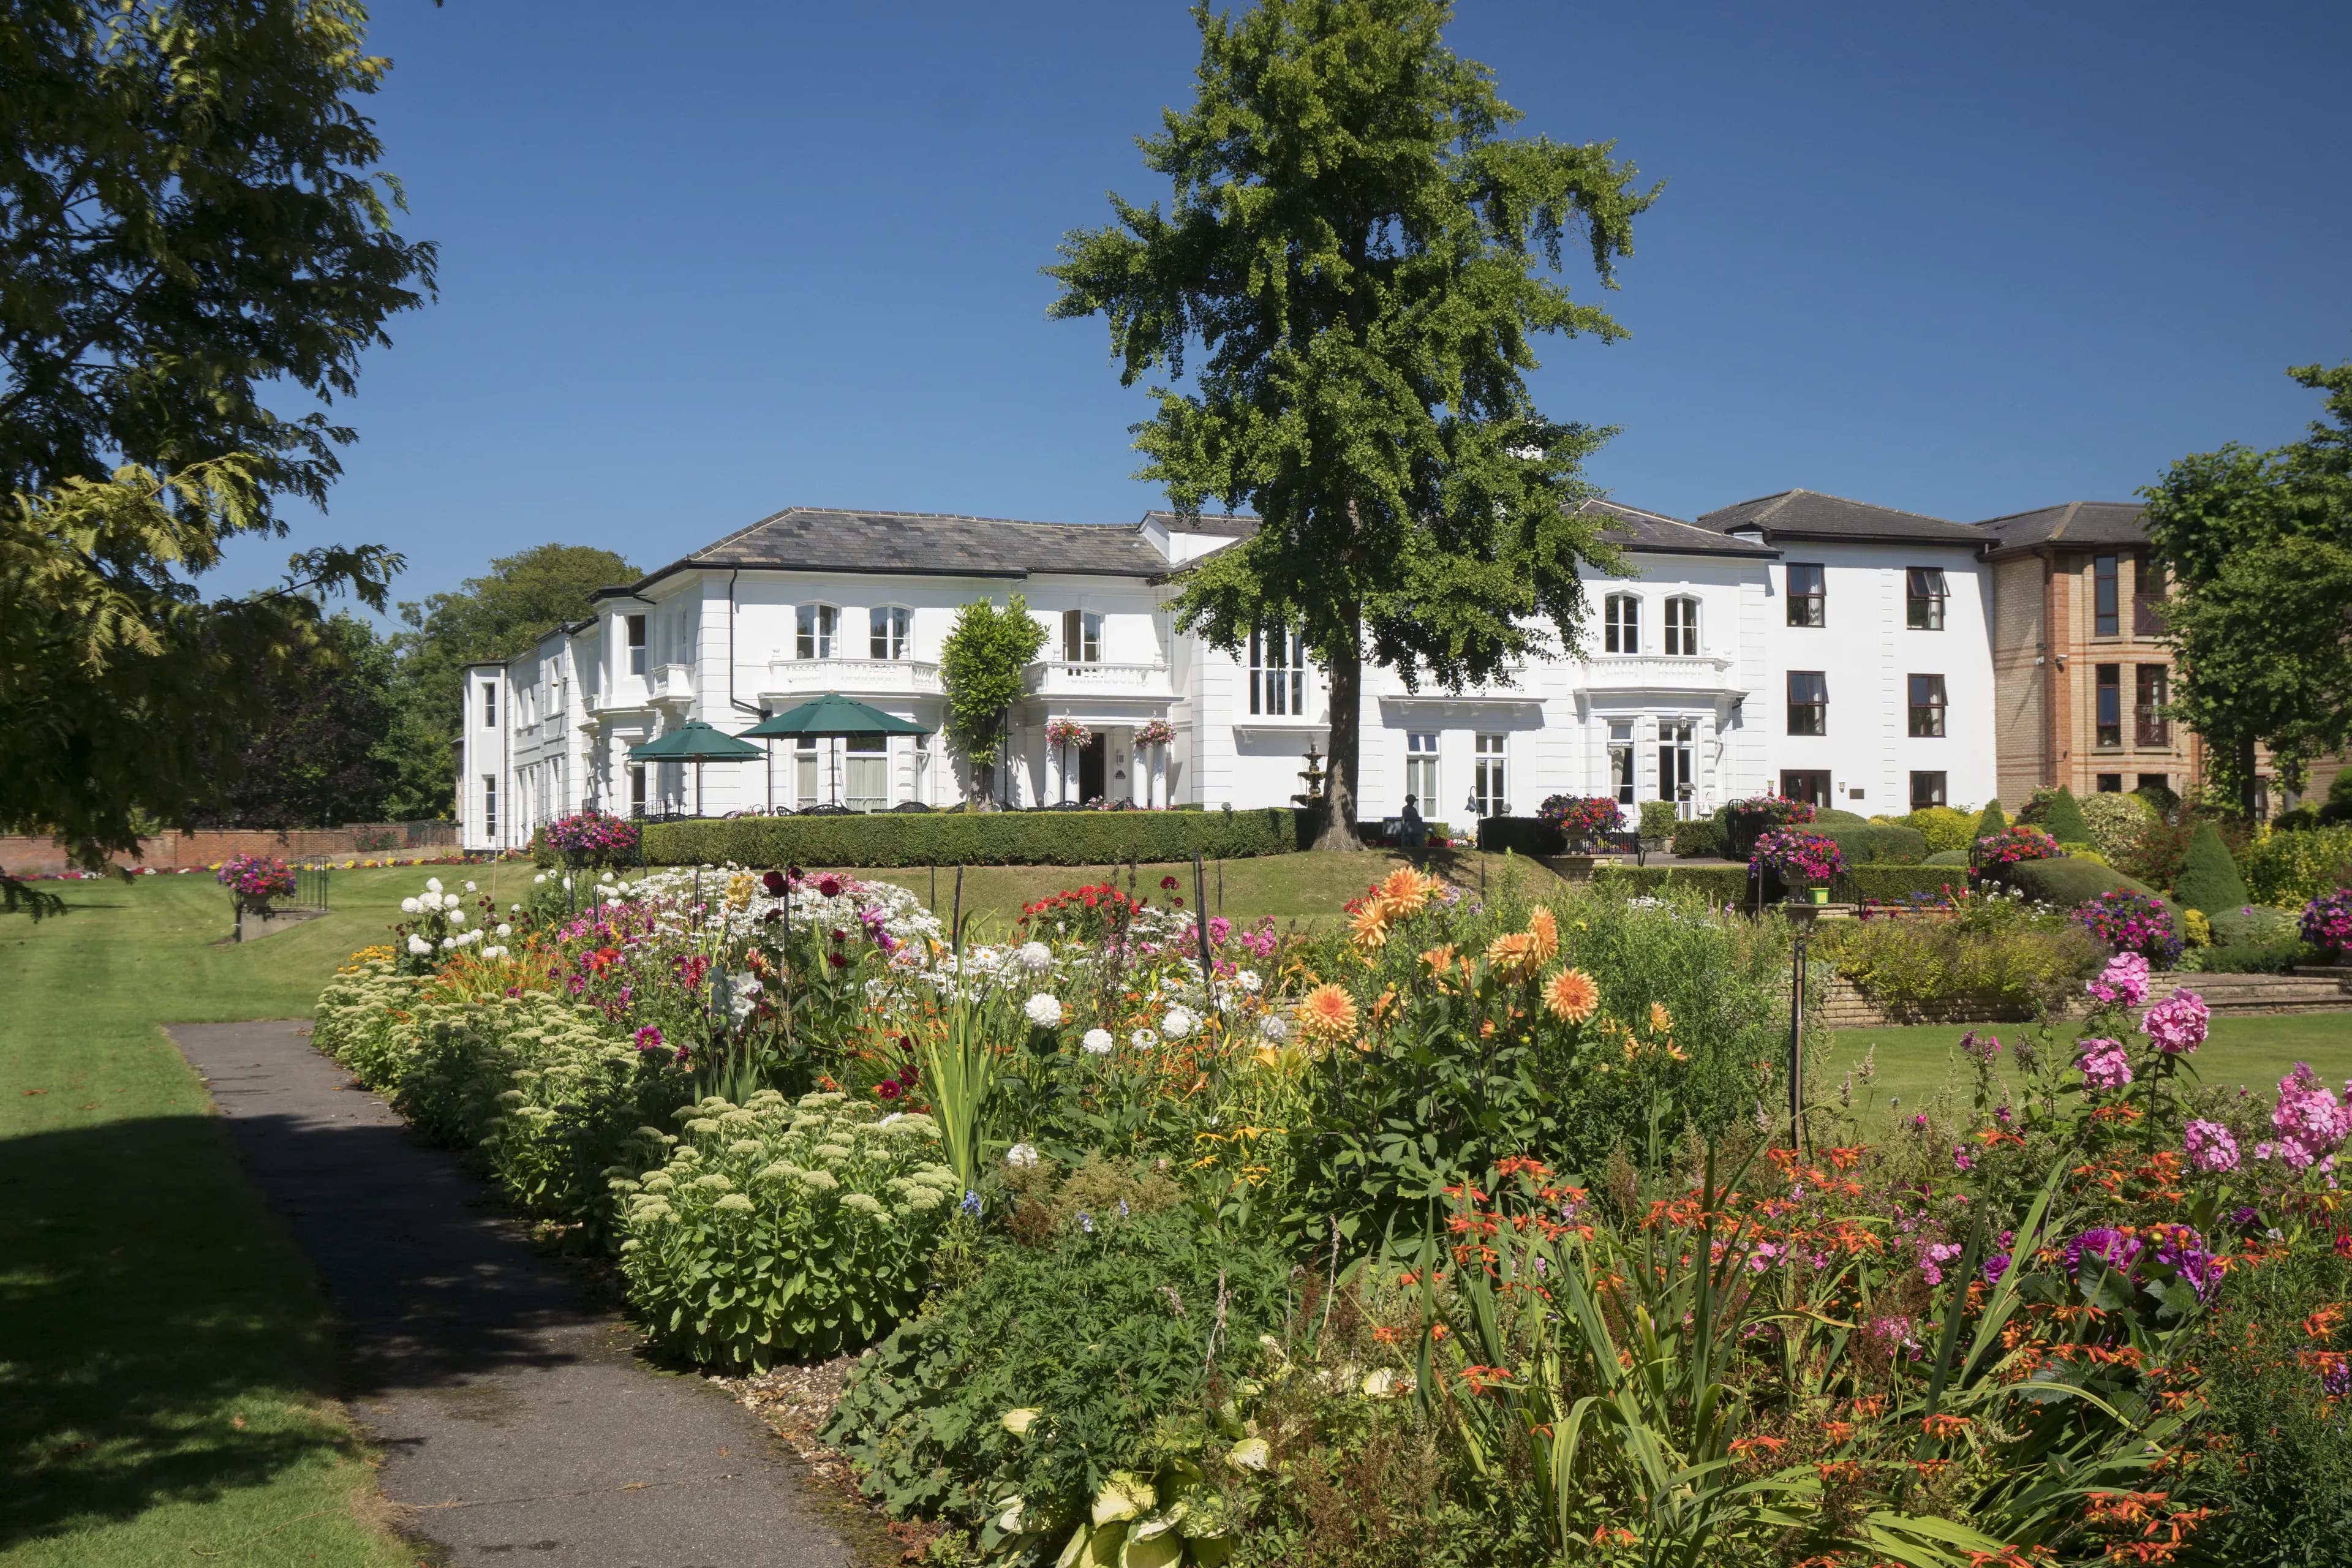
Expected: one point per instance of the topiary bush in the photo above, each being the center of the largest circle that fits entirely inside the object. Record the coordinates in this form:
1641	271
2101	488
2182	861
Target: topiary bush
2067	883
2117	821
979	838
1867	844
1830	817
1941	828
1991	820
2208	878
2063	817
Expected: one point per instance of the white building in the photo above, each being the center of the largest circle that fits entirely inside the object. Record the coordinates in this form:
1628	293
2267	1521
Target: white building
1798	642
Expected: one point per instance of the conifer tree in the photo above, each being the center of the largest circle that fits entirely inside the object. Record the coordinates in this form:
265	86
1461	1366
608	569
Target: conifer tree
2210	880
2064	820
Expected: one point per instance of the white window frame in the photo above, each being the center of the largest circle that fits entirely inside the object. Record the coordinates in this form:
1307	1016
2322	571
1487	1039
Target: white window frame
889	632
1278	670
866	758
1082	637
1422	778
490	805
1621	760
816	630
489	705
1489	777
1677	766
634	630
1620	623
1682	627
808	773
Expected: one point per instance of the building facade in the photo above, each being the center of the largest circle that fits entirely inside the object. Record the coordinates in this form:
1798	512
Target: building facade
1797	643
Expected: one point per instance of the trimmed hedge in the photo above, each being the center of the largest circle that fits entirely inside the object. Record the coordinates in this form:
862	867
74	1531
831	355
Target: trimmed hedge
1701	838
1721	884
981	838
2070	882
1874	843
1896	884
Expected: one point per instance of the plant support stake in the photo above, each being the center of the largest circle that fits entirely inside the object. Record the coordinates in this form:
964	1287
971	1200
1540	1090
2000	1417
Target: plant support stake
1201	925
1797	1042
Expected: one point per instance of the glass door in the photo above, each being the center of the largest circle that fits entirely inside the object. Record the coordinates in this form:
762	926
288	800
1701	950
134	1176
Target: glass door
1675	764
867	784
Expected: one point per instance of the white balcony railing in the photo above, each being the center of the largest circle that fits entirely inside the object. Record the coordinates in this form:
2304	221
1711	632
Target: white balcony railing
1076	678
883	677
1652	672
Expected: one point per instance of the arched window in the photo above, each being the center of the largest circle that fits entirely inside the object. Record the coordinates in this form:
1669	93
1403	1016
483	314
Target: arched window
1682	627
889	632
817	629
1620	623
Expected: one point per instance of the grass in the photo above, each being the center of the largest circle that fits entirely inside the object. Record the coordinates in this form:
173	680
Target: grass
1912	1064
167	1368
1303	887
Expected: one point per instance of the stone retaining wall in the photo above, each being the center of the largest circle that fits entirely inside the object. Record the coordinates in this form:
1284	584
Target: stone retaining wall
173	852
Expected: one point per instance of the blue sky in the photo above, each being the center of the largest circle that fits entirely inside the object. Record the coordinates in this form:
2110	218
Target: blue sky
702	262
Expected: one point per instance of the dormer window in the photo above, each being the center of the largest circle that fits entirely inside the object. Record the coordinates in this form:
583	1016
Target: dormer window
816	628
1682	628
1081	637
1620	623
889	629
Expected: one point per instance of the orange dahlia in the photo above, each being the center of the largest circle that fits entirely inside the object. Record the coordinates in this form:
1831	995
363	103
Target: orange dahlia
1661	1021
1370	928
1514	954
1327	1013
1572	996
1405	890
1546	931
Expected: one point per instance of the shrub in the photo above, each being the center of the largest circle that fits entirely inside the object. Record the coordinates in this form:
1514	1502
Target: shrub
2029	967
2326	923
2117	821
2249	957
1830	817
2134	923
1087	1346
2014	847
1940	828
1521	836
2252	925
1715	884
1701	838
2338	808
1660	818
2062	816
2208	877
2159	798
2160	854
1990	820
980	838
1870	843
1946	858
2066	883
781	1230
2287	869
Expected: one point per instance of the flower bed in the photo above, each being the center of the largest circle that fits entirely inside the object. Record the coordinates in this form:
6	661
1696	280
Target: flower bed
2326	923
256	881
2013	846
1798	859
1581	818
2134	923
591	838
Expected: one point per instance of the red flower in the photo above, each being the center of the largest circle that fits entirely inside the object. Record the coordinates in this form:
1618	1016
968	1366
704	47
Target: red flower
829	886
888	1088
774	882
836	961
1167	884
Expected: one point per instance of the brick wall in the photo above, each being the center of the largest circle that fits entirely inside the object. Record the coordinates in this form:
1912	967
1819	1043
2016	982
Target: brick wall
172	851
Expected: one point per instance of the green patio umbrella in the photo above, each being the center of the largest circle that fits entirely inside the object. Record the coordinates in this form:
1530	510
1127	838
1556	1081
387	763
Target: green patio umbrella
829	716
697	743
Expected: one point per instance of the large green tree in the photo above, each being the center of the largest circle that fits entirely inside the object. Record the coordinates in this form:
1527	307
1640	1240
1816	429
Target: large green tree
192	228
2257	546
492	617
981	666
316	755
1357	261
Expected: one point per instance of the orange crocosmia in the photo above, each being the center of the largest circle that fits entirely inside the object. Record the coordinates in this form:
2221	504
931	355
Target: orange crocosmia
1837	1431
1370	928
1572	996
1745	1446
1545	930
1943	1425
1327	1013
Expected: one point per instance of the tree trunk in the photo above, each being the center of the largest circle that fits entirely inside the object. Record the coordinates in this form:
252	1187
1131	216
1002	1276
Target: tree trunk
2245	751
1344	667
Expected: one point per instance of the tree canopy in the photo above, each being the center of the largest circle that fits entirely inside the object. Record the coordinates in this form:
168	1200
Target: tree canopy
314	755
2257	546
492	617
981	668
1357	261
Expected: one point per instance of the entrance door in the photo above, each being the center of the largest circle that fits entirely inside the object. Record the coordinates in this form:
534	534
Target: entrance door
1675	764
1808	785
1090	767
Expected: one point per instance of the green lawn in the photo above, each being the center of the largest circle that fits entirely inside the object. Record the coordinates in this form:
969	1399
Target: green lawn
1913	1063
166	1366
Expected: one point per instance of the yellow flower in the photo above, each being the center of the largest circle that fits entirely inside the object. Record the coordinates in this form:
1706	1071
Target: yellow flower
1572	996
1546	931
1327	1013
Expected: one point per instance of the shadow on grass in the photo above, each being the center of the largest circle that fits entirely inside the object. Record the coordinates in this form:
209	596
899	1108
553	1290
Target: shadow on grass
161	1338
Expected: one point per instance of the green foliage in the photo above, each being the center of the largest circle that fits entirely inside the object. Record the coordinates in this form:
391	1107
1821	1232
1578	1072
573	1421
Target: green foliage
118	673
1942	829
2068	882
1991	820
1090	1345
1660	818
1871	843
2062	818
194	216
1715	884
316	758
2258	546
1946	858
2018	962
486	619
781	1230
1832	816
2287	869
1700	839
2116	822
2208	878
1363	255
981	666
978	839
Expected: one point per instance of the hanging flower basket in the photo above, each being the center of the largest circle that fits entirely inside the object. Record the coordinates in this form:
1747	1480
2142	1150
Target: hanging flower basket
592	838
254	881
1154	733
1068	732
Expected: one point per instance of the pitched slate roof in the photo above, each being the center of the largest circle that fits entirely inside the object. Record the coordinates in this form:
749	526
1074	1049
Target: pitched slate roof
1811	515
921	544
1214	525
1658	534
2087	522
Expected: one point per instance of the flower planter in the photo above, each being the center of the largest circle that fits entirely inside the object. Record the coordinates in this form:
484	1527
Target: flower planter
1819	892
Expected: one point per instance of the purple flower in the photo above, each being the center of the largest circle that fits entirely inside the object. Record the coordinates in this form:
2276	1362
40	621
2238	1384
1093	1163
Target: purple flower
2110	1245
2210	1147
1994	1268
649	1038
2104	1064
2178	1023
1980	1048
2310	1121
2123	980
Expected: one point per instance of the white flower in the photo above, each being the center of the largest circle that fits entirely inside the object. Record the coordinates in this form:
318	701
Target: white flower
433	884
504	930
567	884
1178	1024
540	881
418	945
514	909
605	878
1143	1039
1274	1027
1020	1157
1098	1041
411	907
449	942
1045	1010
469	887
1248	981
1036	956
457	917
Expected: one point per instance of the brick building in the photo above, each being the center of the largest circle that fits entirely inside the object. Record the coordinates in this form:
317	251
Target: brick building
2080	674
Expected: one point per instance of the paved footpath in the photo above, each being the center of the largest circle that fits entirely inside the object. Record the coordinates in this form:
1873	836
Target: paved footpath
516	1427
